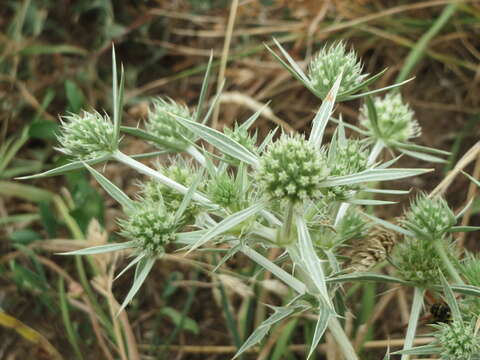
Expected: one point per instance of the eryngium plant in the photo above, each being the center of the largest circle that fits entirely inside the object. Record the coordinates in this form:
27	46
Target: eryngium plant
291	192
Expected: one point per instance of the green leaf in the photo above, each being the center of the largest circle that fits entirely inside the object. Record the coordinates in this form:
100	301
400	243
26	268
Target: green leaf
279	314
323	115
230	253
187	199
179	319
366	276
75	165
320	328
387	191
220	141
130	264
370	202
422	156
113	190
475	181
419	350
100	249
24	191
373	175
41	49
227	224
372	116
464	228
379	90
466	290
203	91
142	134
117	94
43	129
311	262
74	96
390	226
142	270
450	298
24	236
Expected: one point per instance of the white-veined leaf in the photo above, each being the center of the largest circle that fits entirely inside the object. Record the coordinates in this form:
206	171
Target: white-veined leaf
130	264
389	225
101	249
320	328
420	350
113	190
370	202
450	298
423	156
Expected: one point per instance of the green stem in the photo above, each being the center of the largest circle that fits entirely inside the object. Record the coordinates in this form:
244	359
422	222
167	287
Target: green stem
417	304
342	339
446	261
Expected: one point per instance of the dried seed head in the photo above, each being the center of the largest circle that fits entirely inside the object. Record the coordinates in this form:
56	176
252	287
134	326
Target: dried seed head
161	122
370	251
395	118
292	169
327	65
87	135
429	218
458	341
151	226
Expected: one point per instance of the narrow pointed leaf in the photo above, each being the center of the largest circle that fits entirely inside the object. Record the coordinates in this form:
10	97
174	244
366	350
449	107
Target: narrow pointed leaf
450	298
292	62
461	212
142	270
370	202
220	141
203	91
420	350
323	115
142	134
464	228
390	226
66	168
466	289
366	276
387	191
251	120
379	90
372	115
113	190
422	156
419	148
373	175
364	84
475	181
320	328
228	223
101	249
230	253
130	264
187	199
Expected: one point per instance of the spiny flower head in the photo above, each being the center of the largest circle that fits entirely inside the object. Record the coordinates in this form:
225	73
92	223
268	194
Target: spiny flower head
181	172
161	122
151	226
395	119
87	135
292	169
429	218
352	225
470	270
419	262
243	137
458	340
224	191
348	158
327	65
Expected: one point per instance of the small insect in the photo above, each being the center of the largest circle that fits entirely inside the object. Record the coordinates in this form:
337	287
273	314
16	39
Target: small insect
441	313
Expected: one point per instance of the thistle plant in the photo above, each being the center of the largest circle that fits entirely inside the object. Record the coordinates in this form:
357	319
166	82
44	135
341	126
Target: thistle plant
291	192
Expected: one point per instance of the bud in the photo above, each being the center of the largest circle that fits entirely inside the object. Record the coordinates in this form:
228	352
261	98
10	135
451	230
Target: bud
458	340
429	218
243	137
224	191
395	119
327	65
151	226
292	169
161	122
86	136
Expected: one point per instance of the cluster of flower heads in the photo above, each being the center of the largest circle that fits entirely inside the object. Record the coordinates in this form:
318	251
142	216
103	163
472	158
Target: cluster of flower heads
151	226
161	122
458	340
429	218
395	119
292	169
329	62
86	136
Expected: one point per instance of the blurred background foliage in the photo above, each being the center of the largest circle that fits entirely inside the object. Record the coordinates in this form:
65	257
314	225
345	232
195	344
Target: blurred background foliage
55	58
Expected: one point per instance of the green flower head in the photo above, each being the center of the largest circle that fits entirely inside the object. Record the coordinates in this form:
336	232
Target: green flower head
243	137
224	191
346	159
458	341
151	226
86	136
429	218
161	122
395	119
419	262
327	65
292	169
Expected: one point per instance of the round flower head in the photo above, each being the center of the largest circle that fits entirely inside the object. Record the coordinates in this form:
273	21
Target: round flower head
161	122
86	136
419	262
327	65
181	172
347	159
470	270
224	191
292	169
395	119
151	226
429	218
458	341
